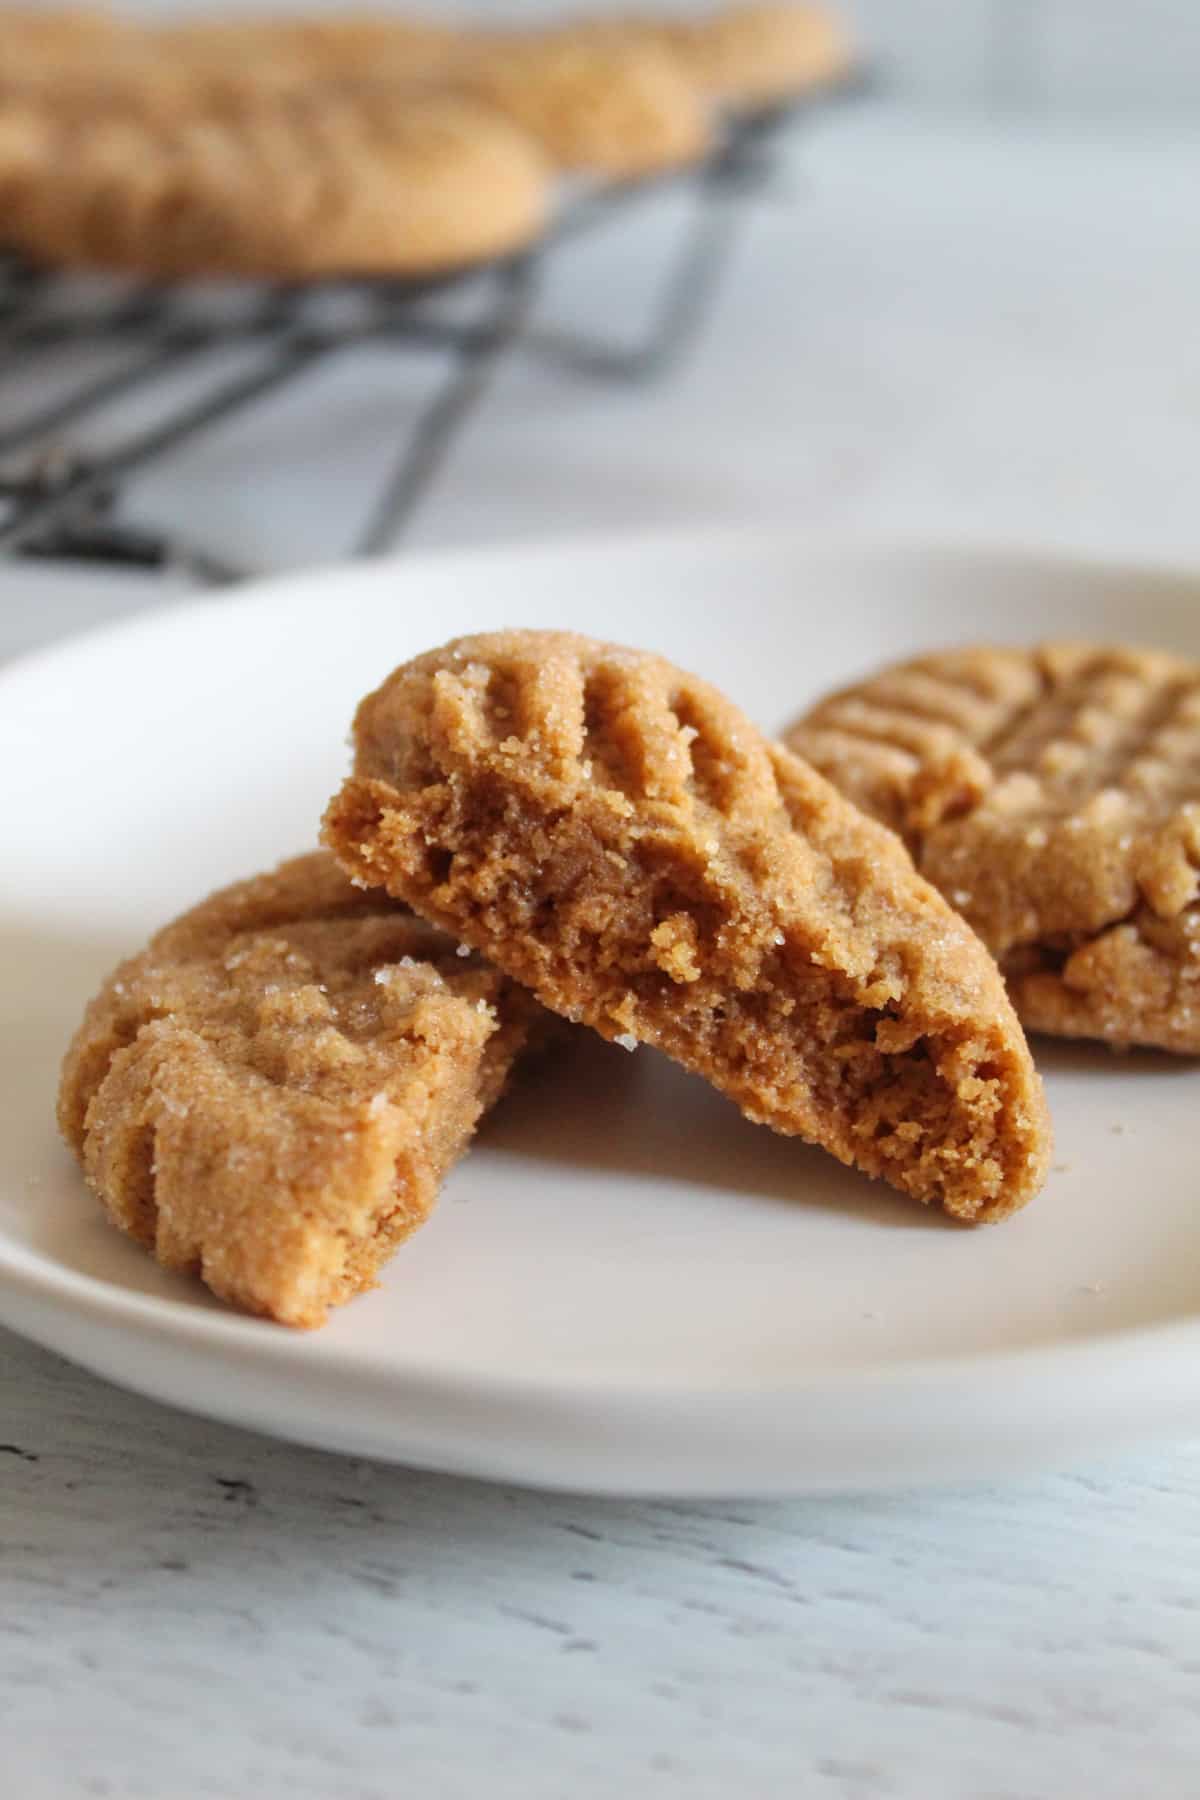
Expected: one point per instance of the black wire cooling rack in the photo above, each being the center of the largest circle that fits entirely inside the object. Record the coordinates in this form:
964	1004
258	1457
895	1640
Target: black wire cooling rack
58	502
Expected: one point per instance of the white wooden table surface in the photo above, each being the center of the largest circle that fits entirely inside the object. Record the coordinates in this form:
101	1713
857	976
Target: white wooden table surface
957	332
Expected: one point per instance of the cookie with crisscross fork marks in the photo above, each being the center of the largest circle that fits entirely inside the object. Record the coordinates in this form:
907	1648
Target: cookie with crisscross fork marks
1053	795
616	835
271	1092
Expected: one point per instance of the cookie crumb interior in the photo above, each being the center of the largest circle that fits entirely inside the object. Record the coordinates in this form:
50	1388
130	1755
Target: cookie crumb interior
621	840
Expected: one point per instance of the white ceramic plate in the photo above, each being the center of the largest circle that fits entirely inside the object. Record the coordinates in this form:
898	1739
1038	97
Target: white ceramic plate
625	1287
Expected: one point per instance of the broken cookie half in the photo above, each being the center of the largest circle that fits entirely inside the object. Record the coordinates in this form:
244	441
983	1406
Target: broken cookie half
271	1092
619	838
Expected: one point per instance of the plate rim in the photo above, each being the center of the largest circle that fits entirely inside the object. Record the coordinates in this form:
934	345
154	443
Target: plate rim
39	1277
287	587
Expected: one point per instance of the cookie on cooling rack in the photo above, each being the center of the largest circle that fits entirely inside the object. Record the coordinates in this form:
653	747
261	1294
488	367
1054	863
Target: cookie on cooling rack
619	838
218	62
297	189
270	1094
595	104
54	27
1053	795
297	51
761	52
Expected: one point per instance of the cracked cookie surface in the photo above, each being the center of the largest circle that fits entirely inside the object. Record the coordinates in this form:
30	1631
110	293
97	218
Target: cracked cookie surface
271	1092
618	837
1053	795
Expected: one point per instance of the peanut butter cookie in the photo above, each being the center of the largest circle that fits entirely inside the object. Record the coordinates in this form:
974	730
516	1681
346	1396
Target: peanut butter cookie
618	837
755	54
270	1094
1053	795
300	50
594	103
303	188
219	62
54	28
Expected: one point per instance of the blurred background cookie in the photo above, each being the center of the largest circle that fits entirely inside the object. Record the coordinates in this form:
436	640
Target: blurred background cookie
310	145
750	54
54	27
292	51
319	186
594	103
